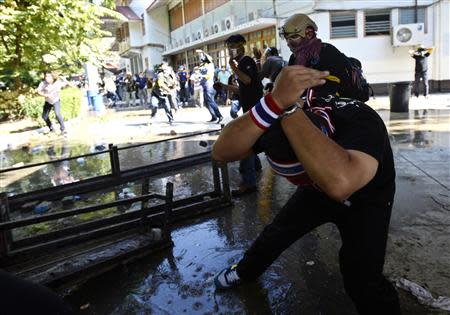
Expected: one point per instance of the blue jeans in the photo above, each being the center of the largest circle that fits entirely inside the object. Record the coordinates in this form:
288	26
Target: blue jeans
235	107
208	94
247	166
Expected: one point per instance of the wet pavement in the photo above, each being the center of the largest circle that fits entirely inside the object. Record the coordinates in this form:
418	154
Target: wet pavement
305	279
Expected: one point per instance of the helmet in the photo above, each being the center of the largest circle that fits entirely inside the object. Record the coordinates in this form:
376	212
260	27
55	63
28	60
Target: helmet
297	24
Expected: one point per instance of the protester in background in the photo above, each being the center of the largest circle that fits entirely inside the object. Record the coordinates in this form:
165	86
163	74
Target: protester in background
257	57
207	71
149	86
223	77
50	89
183	78
300	33
421	69
250	90
129	90
110	91
233	97
170	78
142	88
196	79
120	85
273	63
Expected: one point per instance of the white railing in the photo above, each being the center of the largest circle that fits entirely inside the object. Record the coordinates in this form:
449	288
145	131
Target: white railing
124	45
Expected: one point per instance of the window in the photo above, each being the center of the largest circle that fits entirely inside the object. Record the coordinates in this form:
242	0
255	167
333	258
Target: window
192	9
176	17
212	4
377	22
408	15
343	24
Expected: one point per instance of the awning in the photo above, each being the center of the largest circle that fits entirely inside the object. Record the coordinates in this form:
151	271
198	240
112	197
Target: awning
128	13
130	53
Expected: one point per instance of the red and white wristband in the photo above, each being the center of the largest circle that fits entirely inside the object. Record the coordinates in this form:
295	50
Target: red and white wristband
265	112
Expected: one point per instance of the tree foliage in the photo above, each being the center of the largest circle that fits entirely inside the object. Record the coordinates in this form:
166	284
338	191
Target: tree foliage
39	35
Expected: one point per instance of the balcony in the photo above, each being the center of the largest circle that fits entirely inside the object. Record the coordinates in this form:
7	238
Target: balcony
124	45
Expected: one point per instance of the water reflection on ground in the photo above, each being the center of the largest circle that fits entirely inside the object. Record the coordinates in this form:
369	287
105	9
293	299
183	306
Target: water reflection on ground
64	172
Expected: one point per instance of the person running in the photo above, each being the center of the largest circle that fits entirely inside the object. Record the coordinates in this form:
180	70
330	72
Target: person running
160	94
347	177
50	89
207	70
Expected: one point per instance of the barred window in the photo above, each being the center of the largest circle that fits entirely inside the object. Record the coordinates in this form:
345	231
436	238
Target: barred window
377	22
343	24
408	15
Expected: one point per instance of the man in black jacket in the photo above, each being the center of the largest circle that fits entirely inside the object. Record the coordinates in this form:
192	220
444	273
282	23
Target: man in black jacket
421	70
250	90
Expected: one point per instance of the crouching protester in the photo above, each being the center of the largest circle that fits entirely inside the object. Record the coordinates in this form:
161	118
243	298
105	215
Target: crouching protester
339	155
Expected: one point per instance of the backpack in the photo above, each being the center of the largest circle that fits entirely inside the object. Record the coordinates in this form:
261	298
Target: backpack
357	87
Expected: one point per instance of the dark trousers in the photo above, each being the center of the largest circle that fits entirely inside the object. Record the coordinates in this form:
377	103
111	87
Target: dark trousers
424	76
19	296
364	234
46	112
208	94
184	95
158	100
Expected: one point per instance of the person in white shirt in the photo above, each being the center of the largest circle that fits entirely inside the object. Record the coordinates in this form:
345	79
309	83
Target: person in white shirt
50	88
196	78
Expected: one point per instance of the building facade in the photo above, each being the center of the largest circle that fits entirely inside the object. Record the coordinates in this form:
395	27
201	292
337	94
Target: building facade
367	30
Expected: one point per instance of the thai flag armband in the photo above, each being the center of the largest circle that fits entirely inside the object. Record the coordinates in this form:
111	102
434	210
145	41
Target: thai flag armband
265	112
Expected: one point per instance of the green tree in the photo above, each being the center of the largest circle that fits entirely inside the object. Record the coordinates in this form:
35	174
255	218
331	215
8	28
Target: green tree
39	35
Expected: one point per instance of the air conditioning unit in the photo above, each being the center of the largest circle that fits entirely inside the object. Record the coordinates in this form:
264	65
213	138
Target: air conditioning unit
199	34
228	23
216	28
187	40
253	15
194	36
180	42
408	34
206	32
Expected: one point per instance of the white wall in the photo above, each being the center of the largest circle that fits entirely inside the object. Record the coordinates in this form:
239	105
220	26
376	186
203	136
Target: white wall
136	38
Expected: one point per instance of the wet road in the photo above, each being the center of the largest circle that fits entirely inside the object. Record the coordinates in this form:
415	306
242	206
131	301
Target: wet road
305	279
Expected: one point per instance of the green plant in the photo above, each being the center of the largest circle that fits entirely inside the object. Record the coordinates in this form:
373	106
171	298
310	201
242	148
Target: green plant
15	106
10	108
